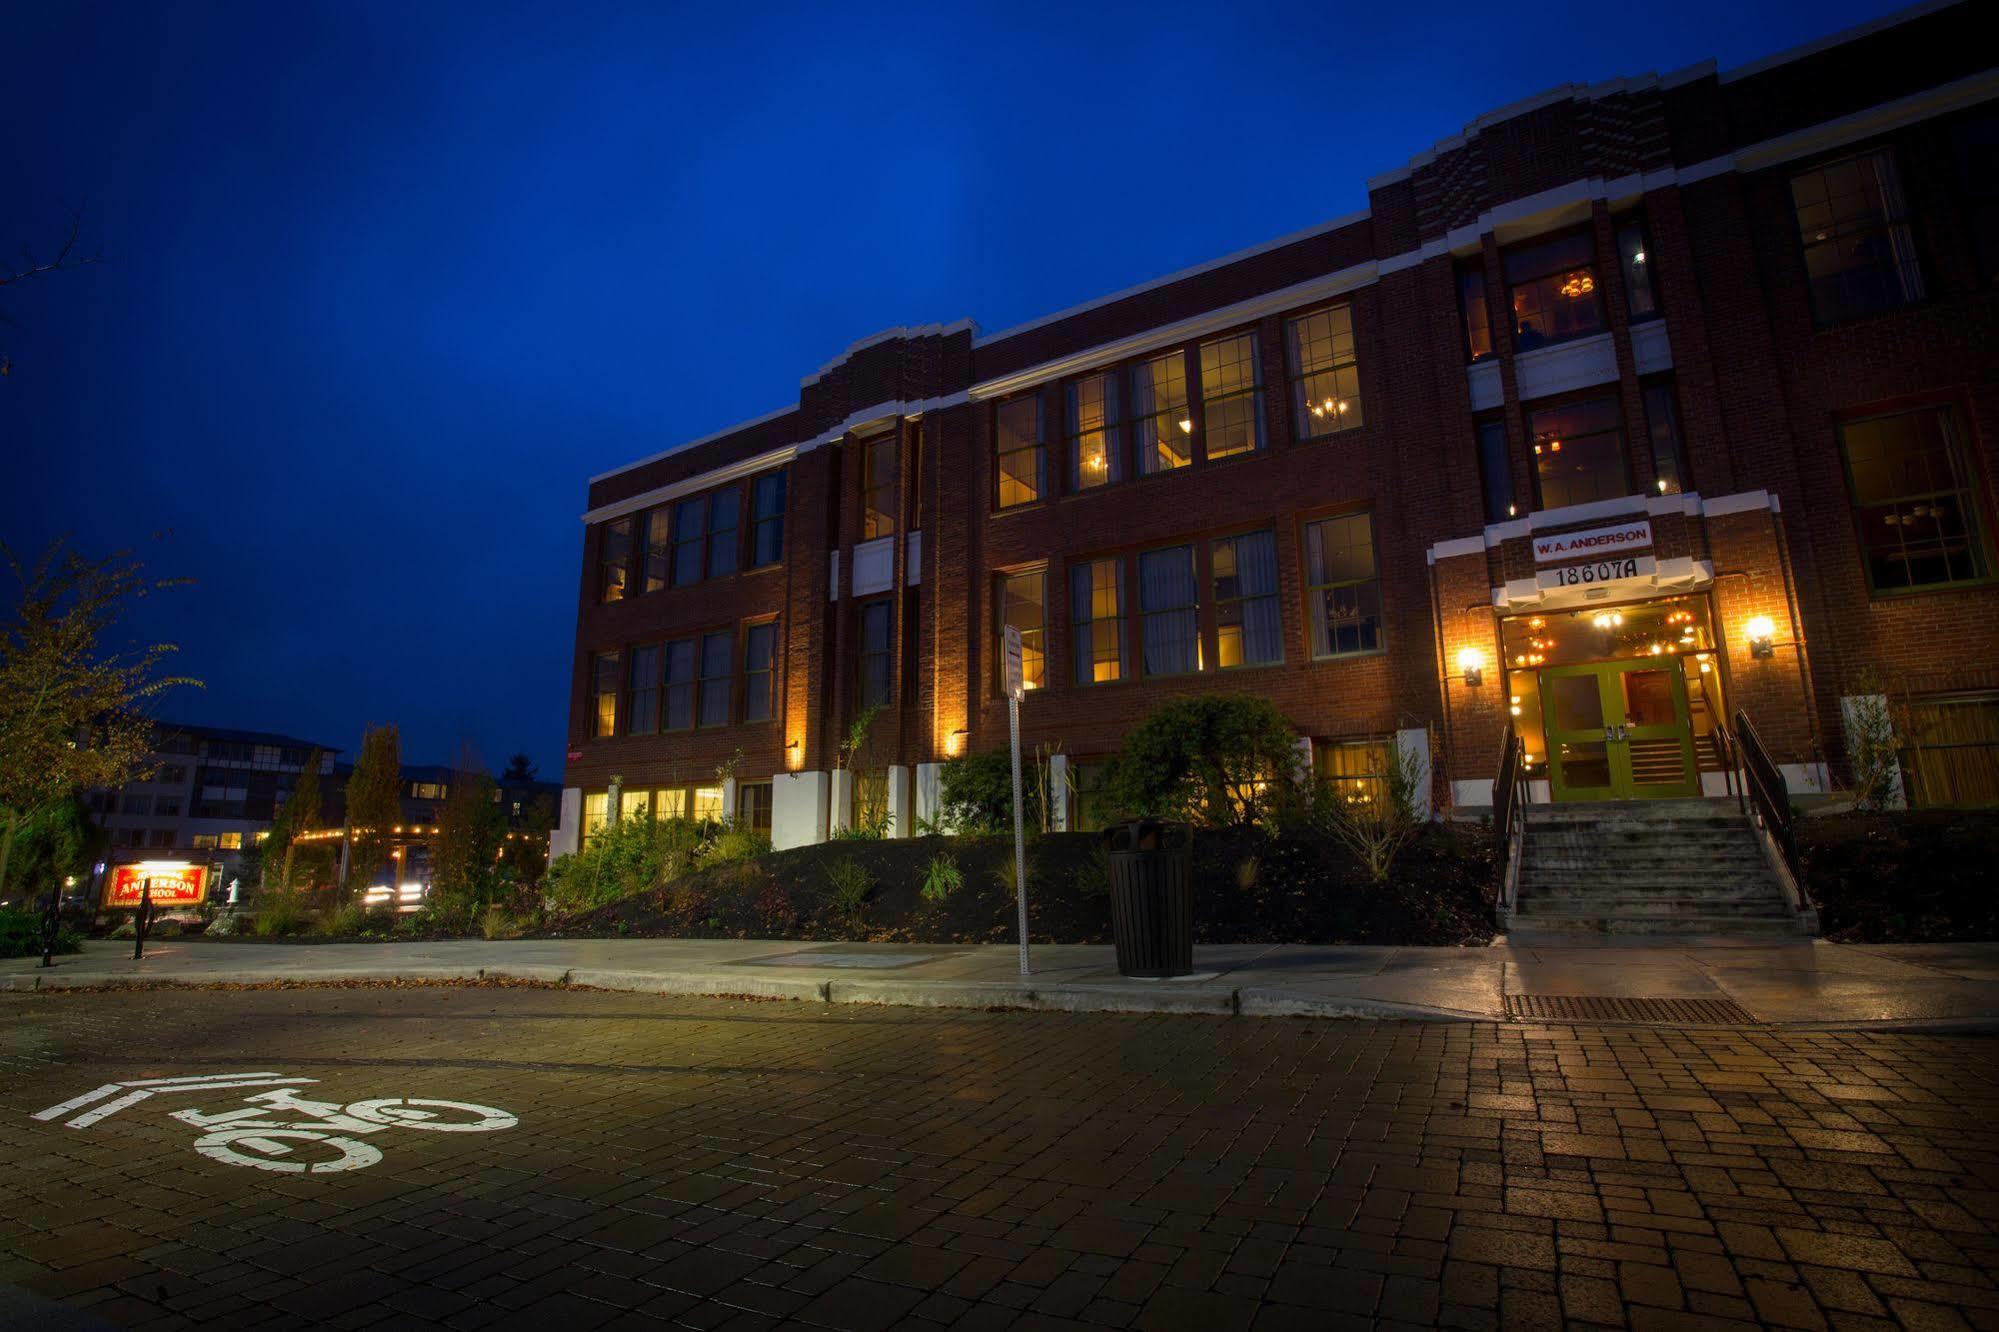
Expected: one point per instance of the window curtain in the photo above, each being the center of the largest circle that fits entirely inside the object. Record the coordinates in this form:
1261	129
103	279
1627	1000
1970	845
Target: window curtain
1256	569
1168	593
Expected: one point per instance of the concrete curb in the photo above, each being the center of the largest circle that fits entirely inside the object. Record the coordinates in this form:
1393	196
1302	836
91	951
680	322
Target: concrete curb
1025	994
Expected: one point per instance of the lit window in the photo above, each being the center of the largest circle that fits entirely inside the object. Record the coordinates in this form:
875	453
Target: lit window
1343	587
707	804
642	706
1915	500
1325	378
635	805
659	549
604	687
679	686
759	672
1247	628
767	519
1471	303
878	486
1552	286
1096	611
1579	453
1162	422
1018	447
873	676
1095	458
230	841
1023	604
1860	255
716	650
1355	771
596	813
1231	396
616	559
1169	611
670	803
1669	453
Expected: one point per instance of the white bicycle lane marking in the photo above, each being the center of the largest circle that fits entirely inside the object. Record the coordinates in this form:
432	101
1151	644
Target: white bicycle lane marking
255	1136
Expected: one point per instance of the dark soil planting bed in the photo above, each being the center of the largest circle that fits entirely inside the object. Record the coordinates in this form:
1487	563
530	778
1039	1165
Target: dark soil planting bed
1249	888
1920	876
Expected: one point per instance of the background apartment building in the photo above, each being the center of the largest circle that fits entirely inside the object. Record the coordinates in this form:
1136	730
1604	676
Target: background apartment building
1633	405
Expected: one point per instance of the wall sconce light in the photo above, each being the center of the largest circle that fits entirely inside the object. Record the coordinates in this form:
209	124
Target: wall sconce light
1472	663
955	744
1762	634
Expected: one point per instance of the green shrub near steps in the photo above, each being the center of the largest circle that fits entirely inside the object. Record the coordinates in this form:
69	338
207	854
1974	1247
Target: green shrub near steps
21	934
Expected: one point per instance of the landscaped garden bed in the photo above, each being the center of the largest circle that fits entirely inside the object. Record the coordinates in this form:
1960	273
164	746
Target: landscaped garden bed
1912	876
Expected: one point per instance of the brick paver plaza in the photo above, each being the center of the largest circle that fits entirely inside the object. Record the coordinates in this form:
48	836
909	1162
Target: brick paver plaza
713	1163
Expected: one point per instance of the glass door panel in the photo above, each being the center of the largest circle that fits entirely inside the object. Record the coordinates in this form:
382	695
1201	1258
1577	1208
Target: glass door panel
1653	745
1579	759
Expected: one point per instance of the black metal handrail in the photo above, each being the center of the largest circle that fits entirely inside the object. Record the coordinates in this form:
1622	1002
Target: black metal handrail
1767	792
1506	801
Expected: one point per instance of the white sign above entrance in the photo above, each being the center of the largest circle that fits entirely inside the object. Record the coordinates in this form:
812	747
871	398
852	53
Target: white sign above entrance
1596	541
1598	571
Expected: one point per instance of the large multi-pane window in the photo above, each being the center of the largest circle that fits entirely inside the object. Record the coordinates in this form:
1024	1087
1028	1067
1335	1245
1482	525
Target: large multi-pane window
596	813
724	512
1495	470
1096	619
659	548
604	683
1636	263
1355	771
1551	285
1915	500
1669	450
1860	255
875	659
1231	396
1162	423
690	539
1169	611
1023	603
679	686
878	486
1018	447
1325	378
760	672
753	806
1247	628
1578	453
642	705
1095	459
1343	585
615	560
716	649
766	519
1471	304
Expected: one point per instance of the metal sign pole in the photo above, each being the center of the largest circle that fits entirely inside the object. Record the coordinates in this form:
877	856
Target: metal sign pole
1016	686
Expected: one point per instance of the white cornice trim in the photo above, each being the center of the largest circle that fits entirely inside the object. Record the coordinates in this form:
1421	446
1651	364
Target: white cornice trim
690	485
694	443
1164	335
1690	503
1830	134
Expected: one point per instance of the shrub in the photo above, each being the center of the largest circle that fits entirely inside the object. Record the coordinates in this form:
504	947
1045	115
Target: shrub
1375	823
941	878
625	859
282	913
1003	874
21	934
850	884
497	922
735	844
976	793
1225	760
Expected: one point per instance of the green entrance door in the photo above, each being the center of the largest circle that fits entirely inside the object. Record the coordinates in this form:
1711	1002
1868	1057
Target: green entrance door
1618	730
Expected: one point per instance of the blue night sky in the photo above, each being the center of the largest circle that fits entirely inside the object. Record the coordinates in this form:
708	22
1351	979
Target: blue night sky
385	283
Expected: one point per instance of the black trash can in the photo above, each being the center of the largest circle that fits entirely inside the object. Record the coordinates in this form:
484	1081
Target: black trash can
1152	897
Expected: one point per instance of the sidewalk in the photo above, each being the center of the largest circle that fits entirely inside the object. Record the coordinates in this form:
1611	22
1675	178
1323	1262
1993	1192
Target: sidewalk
1802	983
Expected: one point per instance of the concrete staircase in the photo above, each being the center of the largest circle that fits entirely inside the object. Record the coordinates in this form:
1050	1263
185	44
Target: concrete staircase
1648	867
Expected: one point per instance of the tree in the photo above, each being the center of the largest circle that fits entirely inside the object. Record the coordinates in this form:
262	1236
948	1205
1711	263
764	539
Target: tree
298	815
1220	759
65	258
70	699
470	834
374	804
58	844
527	849
520	768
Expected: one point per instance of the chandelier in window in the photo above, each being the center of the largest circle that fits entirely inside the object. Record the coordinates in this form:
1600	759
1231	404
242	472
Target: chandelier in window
1578	284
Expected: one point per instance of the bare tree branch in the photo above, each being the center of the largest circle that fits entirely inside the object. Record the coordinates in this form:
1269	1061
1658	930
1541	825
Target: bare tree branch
65	258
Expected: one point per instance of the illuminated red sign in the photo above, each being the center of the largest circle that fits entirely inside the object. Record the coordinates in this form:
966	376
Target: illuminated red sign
175	883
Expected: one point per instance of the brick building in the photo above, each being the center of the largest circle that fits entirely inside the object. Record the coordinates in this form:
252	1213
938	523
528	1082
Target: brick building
1633	405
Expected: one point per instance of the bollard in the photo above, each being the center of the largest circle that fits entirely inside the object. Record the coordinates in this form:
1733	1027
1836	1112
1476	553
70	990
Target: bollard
142	920
51	926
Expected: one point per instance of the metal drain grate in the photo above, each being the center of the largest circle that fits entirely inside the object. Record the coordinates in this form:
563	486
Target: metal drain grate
1600	1008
